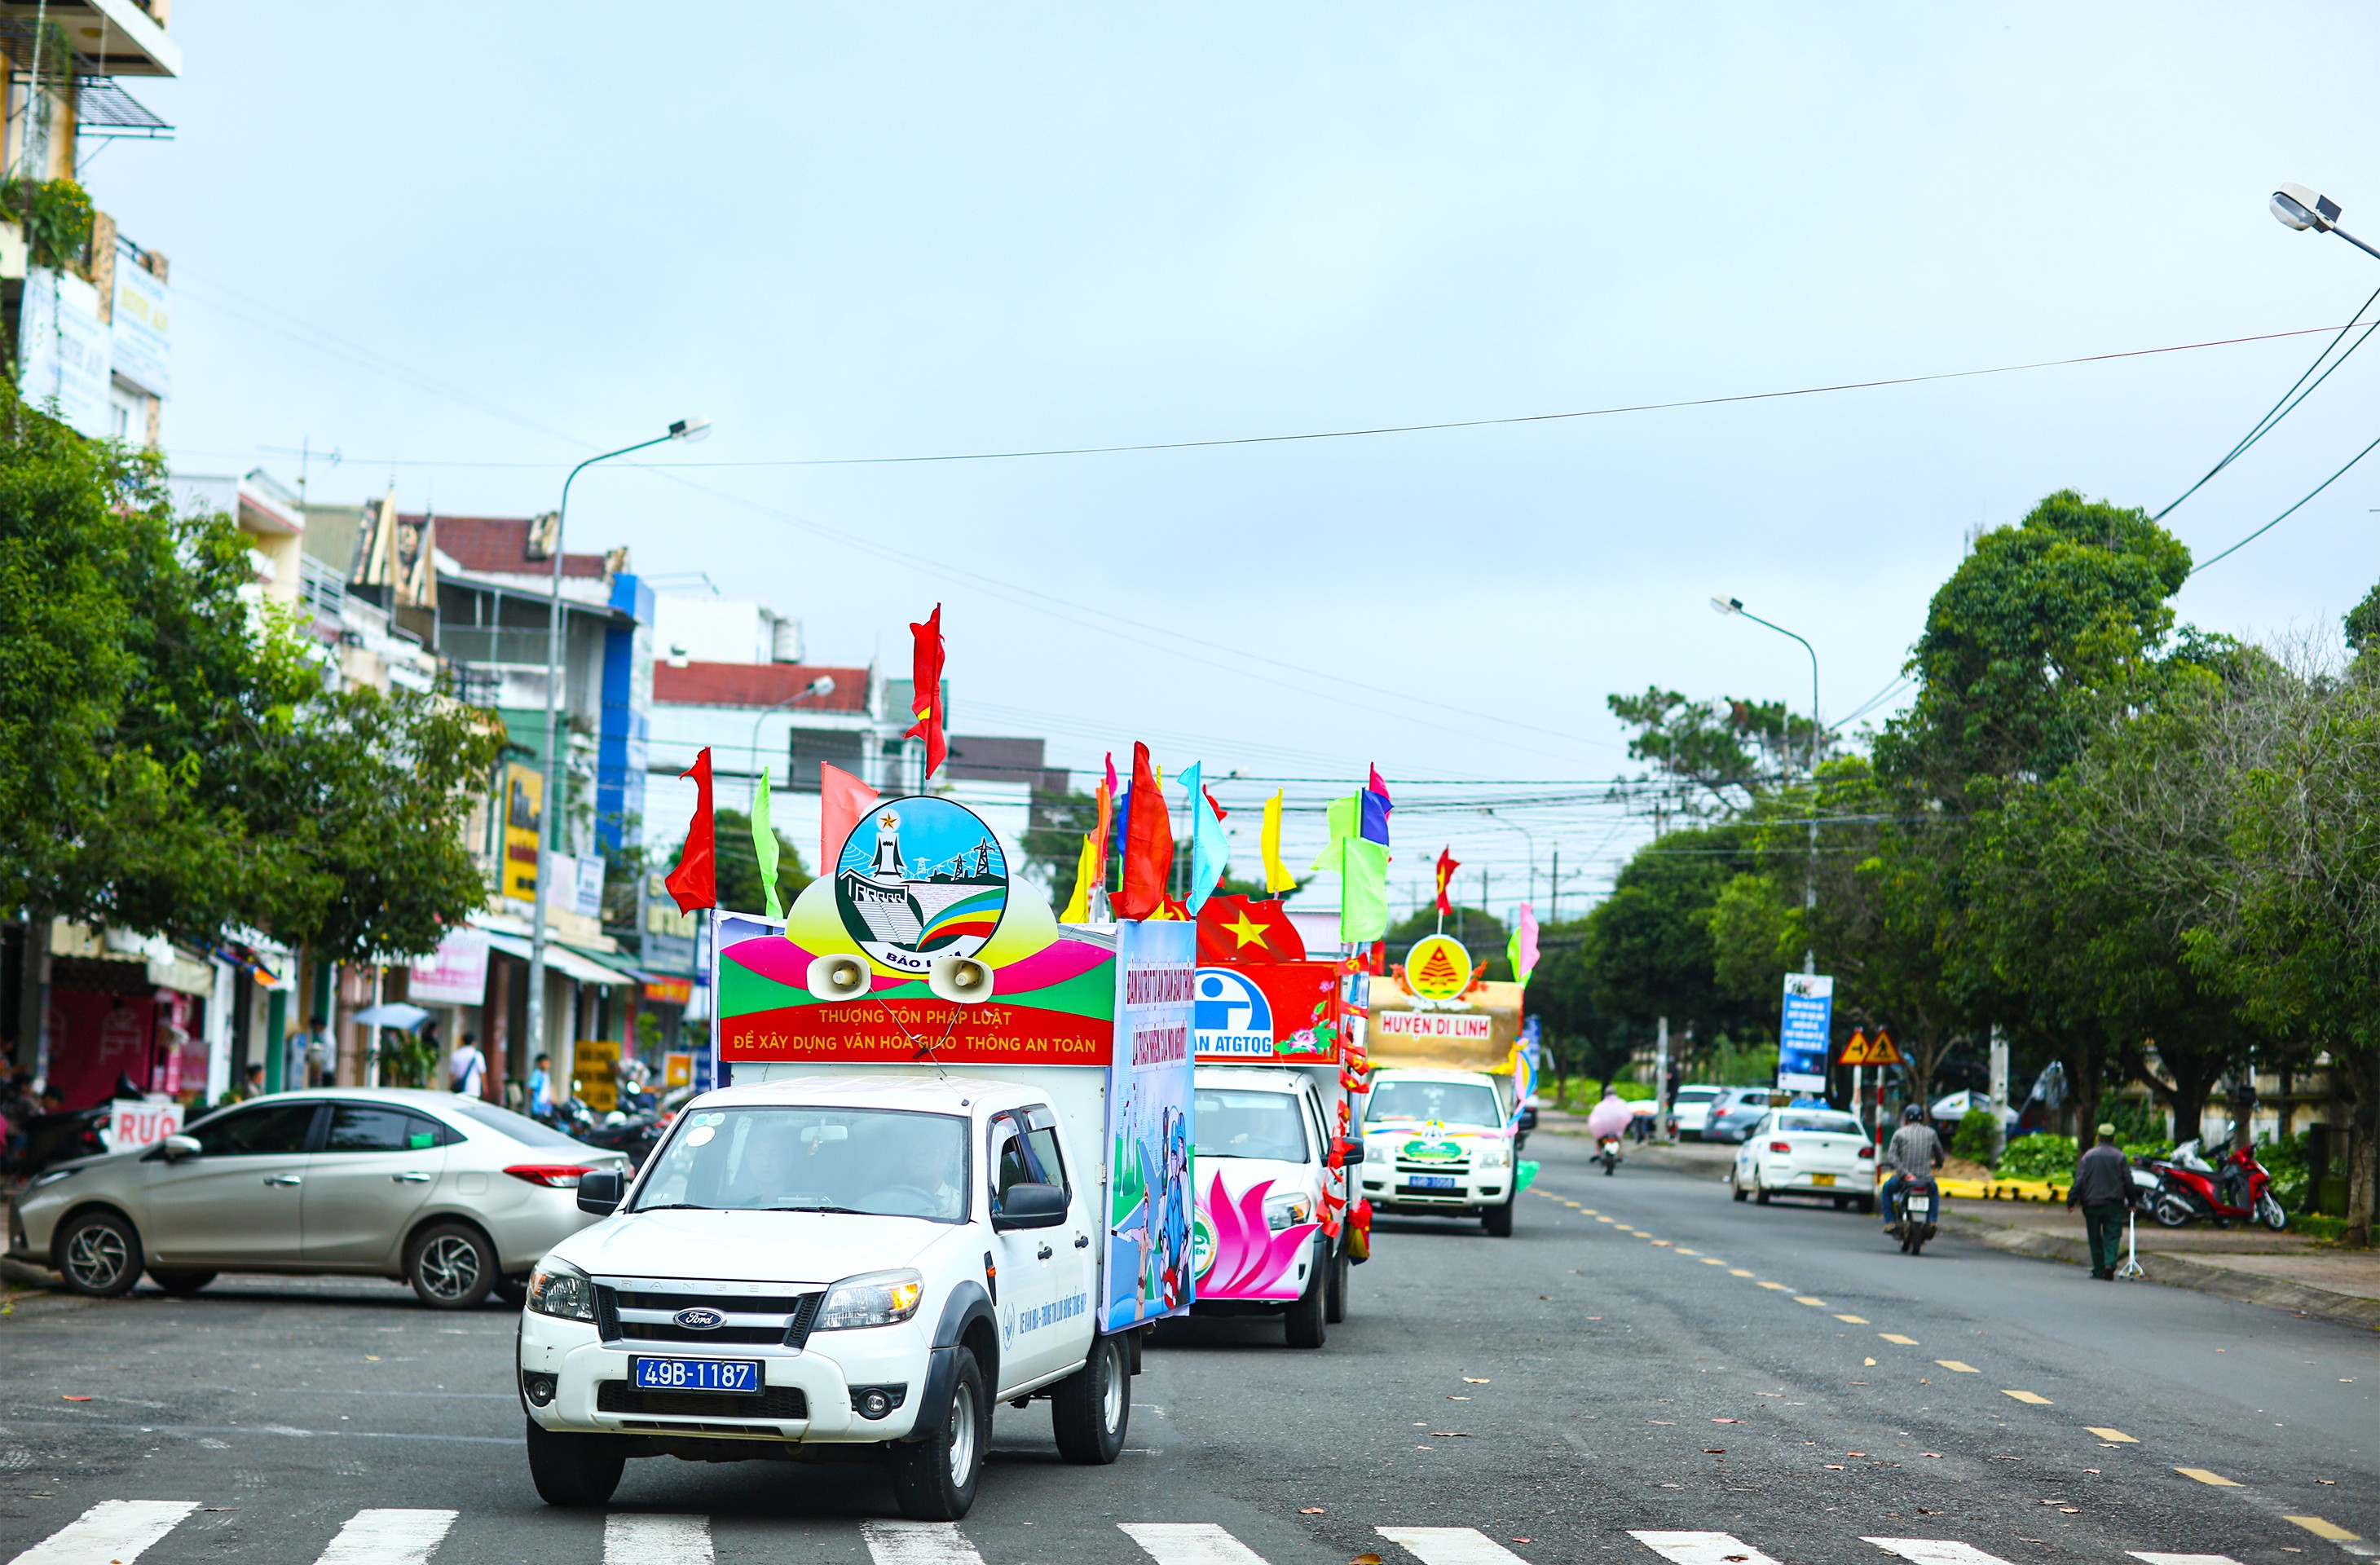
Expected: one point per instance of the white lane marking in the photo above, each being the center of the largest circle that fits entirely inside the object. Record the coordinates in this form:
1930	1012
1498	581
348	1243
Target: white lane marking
919	1543
388	1537
1450	1546
2182	1559
1936	1551
656	1540
1190	1543
1702	1549
112	1530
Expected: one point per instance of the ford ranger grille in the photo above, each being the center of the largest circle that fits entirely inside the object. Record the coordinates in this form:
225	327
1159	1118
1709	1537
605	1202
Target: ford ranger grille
645	1315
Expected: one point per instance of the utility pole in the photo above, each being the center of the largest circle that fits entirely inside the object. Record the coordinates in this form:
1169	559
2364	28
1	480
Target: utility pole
1553	891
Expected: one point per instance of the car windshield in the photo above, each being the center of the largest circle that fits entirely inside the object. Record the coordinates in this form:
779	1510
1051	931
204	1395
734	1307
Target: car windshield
1696	1094
520	1127
1251	1124
1833	1124
1453	1103
761	1158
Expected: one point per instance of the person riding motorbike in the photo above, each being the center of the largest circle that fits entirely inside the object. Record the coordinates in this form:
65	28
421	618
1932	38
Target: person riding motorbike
1911	1157
1610	1117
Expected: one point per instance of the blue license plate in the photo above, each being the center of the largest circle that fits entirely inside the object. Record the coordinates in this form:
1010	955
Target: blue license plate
696	1374
1432	1182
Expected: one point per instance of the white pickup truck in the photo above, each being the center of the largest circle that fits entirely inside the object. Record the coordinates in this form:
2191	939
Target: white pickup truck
1272	1188
830	1261
1443	1141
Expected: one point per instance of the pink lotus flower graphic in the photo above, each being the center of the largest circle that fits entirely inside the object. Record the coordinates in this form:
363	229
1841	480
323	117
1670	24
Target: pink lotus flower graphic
1251	1261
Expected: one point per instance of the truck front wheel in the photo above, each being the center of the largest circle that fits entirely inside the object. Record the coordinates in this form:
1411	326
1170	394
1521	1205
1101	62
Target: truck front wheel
1334	1302
1304	1322
576	1469
1091	1408
934	1477
1498	1220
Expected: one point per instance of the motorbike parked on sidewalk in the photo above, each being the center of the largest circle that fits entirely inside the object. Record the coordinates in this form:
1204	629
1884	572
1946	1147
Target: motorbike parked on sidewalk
1607	1152
2190	1188
1915	1209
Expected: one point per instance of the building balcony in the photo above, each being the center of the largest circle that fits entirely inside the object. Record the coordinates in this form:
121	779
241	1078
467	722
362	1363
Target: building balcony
110	37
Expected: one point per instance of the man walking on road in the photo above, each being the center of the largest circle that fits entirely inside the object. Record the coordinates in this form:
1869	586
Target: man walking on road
2103	1188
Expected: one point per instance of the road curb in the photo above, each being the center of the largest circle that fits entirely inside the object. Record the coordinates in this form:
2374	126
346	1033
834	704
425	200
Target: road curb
2176	1271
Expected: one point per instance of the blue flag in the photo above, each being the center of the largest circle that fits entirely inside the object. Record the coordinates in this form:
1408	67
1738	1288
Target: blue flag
1210	847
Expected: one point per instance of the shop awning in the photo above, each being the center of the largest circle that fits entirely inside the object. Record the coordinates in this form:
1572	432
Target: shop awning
561	959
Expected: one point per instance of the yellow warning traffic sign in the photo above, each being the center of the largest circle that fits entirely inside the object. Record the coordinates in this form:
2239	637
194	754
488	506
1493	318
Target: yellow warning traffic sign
1865	1051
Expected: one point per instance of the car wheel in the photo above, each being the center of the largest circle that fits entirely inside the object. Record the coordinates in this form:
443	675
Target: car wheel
512	1290
1091	1408
1735	1186
1304	1323
450	1265
934	1477
1843	1203
100	1254
1334	1302
1759	1191
1498	1220
181	1284
1866	1205
575	1469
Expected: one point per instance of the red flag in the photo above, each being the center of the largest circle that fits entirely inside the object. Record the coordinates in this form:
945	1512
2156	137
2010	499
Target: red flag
695	882
1147	842
1106	836
1234	930
843	803
1447	865
926	692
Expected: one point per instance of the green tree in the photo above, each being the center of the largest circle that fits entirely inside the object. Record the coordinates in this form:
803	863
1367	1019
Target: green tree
739	865
1648	949
1731	748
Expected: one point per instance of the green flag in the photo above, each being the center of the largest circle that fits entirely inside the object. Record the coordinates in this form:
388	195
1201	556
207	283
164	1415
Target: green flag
1345	816
1363	889
764	844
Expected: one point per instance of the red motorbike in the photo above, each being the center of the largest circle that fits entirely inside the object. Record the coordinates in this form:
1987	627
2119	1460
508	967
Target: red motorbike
2190	1188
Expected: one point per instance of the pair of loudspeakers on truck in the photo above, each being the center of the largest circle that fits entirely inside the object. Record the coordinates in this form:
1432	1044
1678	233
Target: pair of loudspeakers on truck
962	980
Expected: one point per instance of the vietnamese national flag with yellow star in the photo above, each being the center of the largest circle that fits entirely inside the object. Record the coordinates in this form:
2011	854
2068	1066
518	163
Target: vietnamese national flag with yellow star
926	688
1234	931
1447	864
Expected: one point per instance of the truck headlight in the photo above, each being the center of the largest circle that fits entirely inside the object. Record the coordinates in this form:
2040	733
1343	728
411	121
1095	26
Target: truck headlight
878	1298
561	1289
1287	1211
1491	1153
1378	1152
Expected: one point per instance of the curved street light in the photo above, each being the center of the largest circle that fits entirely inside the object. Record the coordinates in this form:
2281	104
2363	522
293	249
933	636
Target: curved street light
1490	812
1723	604
2300	207
823	685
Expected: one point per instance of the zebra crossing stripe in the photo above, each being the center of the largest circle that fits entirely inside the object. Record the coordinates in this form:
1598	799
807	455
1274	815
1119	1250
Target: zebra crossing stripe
1190	1543
1936	1551
2182	1559
388	1537
917	1543
1450	1546
1702	1549
656	1540
113	1531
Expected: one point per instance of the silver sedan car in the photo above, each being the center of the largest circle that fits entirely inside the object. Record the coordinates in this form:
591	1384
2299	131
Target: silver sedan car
452	1195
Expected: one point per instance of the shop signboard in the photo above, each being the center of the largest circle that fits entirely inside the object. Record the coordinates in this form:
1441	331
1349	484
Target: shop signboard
456	973
133	1123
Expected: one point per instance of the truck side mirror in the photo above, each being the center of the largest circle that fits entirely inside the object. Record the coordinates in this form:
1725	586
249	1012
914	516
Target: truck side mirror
1030	1206
599	1190
1346	1154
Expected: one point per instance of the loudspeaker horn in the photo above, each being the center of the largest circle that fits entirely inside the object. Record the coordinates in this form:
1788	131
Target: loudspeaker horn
962	980
838	977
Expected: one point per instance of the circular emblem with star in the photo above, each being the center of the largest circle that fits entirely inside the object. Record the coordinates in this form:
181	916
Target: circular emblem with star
1437	967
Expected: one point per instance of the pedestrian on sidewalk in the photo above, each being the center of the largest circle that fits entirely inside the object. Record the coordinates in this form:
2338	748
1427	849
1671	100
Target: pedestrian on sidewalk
467	1069
2103	1188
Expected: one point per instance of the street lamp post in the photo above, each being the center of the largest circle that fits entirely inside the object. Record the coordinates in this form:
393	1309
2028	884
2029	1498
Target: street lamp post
823	685
1523	830
2302	209
1723	604
690	430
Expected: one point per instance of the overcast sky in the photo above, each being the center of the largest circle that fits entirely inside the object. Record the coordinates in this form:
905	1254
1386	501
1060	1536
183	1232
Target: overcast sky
465	246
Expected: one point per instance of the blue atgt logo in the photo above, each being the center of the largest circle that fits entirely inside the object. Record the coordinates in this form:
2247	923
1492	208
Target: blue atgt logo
1230	1015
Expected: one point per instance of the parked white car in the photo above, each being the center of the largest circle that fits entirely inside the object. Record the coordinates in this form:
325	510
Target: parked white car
1807	1152
451	1194
1693	1107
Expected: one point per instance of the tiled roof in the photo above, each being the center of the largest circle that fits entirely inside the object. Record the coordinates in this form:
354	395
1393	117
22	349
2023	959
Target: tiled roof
499	546
754	685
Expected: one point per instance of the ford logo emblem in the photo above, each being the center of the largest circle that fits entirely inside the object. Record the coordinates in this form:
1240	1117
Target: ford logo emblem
699	1320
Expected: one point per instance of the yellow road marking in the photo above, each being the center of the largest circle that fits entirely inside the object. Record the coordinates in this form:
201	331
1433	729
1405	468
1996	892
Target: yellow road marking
2115	1436
2035	1398
1598	1220
1853	1319
2204	1477
1713	1260
2322	1529
1897	1337
1663	1243
1779	1286
1737	1271
1588	1210
1683	1251
1805	1299
1962	1368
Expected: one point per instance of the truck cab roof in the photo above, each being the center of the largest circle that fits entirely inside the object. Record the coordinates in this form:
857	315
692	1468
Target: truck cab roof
1255	1078
919	1093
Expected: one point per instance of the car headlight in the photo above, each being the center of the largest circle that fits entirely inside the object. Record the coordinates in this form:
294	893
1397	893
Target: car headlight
878	1298
561	1289
1287	1211
51	1176
1377	1151
1491	1153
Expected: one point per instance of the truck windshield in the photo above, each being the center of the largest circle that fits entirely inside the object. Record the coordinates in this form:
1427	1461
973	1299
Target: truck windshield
1453	1103
880	1163
1250	1124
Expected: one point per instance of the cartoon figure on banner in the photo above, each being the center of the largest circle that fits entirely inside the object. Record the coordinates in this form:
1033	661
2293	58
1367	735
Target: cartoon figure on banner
927	881
1178	1207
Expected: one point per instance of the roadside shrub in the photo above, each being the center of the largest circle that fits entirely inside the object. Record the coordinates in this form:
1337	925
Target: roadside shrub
2039	1157
2284	1160
1972	1139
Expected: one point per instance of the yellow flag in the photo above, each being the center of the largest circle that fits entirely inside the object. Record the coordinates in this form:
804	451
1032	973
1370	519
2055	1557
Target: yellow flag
1276	874
1086	872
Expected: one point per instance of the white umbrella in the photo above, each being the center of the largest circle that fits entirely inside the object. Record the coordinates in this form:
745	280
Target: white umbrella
391	1014
1959	1104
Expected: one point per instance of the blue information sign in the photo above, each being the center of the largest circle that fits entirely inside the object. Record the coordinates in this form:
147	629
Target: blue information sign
1803	1032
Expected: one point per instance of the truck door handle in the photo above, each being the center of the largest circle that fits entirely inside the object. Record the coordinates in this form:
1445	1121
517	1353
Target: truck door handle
1043	1253
411	1176
283	1179
1082	1241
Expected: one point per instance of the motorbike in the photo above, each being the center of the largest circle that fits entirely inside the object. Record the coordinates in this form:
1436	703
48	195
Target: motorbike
1913	1212
58	1138
1607	1152
2189	1188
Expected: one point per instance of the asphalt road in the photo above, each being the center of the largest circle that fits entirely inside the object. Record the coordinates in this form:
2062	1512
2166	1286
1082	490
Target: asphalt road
1684	1369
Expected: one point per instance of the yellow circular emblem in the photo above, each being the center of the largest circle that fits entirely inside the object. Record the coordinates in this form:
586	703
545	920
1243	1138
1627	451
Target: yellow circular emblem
1437	967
